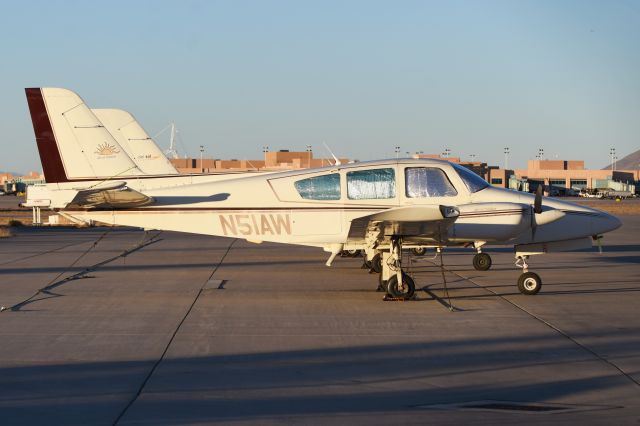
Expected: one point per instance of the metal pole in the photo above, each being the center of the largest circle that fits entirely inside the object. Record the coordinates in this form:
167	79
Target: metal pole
612	153
201	163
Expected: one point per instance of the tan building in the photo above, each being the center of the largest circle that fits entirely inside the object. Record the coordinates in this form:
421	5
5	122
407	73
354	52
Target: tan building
480	168
558	173
273	160
572	174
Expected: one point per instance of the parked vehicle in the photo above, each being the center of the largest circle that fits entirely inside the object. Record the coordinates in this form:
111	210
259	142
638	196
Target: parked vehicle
617	195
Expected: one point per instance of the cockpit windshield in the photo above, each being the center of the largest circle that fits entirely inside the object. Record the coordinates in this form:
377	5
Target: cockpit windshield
474	182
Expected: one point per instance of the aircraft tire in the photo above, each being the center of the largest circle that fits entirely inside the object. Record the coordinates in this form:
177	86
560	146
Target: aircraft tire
419	251
482	262
406	291
529	283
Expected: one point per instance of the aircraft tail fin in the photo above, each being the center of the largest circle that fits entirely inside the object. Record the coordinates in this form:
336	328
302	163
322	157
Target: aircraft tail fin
139	146
72	143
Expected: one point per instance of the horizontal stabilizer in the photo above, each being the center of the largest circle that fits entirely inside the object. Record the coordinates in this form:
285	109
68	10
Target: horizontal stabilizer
114	196
103	186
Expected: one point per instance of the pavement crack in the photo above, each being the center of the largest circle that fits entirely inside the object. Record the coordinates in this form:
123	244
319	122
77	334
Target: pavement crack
57	281
548	324
172	338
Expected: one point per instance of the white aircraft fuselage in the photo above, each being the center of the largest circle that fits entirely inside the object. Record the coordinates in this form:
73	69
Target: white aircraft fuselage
377	206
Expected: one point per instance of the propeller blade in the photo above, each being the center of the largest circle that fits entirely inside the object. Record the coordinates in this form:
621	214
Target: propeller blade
537	204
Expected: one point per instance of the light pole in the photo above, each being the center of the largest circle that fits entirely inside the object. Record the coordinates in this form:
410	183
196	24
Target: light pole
473	158
201	164
506	157
612	153
540	153
446	153
397	152
308	156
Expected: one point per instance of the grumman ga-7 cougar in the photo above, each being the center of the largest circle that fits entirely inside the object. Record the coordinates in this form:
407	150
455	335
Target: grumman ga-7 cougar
377	206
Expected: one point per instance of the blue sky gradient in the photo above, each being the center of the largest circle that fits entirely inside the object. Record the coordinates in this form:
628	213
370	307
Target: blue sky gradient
363	76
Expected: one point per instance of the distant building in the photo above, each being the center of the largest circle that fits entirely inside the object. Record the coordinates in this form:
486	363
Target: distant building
481	169
12	184
273	160
558	176
571	174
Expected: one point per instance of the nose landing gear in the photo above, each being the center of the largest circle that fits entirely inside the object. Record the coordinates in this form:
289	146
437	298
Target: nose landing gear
529	283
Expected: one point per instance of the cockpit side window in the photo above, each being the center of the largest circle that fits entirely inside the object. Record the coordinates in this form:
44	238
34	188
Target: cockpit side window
474	182
371	184
325	187
424	182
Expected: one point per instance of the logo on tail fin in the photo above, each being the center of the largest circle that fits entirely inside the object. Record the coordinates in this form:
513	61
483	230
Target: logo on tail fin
106	149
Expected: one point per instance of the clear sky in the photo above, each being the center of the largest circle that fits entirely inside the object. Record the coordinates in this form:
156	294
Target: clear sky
364	76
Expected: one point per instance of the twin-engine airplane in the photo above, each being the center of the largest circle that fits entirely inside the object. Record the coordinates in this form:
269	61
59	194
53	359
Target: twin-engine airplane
378	206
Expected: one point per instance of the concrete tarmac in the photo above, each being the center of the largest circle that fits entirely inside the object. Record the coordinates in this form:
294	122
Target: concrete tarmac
195	330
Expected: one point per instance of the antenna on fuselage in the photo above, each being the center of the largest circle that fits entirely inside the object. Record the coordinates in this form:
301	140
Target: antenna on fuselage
337	162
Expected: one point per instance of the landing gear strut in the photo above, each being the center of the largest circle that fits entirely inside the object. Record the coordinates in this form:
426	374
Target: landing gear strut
393	280
529	283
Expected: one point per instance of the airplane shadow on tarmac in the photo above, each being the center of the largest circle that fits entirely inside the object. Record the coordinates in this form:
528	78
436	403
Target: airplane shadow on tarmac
368	380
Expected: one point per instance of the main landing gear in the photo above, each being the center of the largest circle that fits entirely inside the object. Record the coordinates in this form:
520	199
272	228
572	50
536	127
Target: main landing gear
529	283
392	279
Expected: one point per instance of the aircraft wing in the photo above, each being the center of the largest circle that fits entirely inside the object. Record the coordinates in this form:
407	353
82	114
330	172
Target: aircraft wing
411	221
112	195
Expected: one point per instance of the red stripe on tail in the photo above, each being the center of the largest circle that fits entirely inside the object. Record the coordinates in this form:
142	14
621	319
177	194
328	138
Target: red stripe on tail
47	147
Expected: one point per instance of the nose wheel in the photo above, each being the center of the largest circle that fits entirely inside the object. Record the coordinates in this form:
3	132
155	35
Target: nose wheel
529	283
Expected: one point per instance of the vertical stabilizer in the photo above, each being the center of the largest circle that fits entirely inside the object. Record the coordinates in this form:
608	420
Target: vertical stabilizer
47	148
73	144
136	142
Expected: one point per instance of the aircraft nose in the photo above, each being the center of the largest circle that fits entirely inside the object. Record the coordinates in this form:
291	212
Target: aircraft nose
605	222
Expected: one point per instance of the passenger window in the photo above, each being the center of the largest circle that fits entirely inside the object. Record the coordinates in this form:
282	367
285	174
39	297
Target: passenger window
325	187
424	182
371	184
